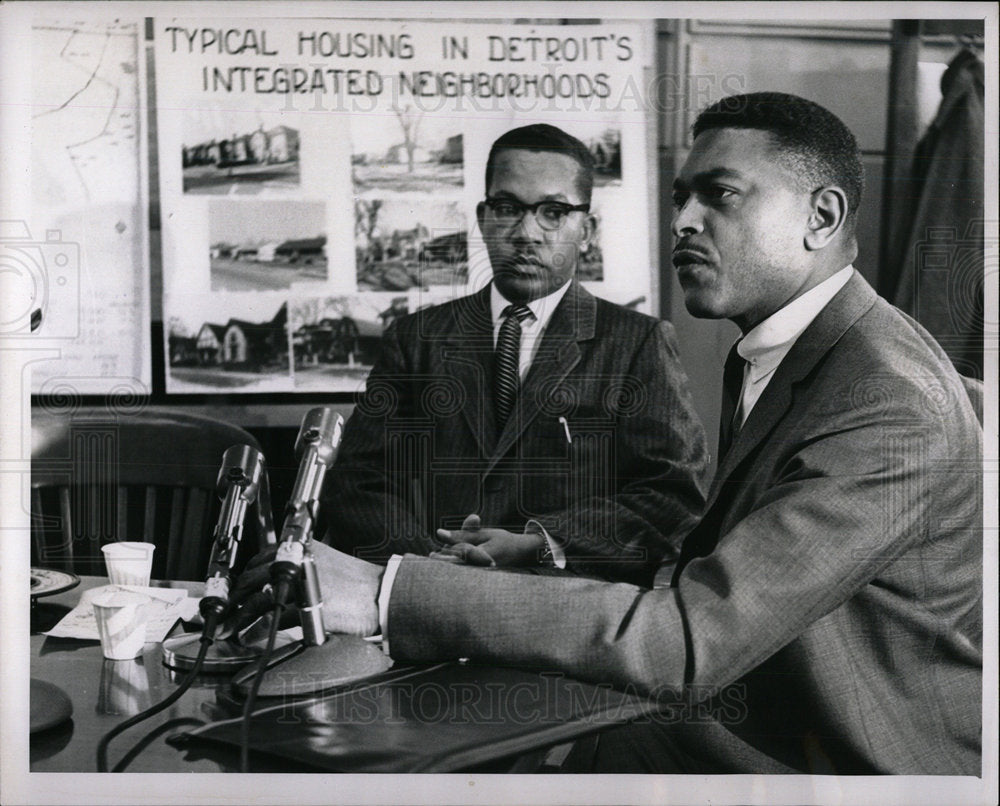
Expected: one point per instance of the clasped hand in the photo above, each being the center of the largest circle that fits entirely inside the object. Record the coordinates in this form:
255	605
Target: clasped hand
475	545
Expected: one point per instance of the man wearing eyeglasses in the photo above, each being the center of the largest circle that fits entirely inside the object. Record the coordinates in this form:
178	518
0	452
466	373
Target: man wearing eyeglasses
530	424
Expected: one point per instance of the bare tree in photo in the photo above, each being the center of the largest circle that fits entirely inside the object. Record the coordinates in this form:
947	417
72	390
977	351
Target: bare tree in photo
409	122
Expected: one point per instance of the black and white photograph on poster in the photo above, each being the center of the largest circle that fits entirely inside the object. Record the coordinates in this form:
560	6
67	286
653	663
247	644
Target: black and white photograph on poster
604	142
228	343
407	150
401	244
237	152
335	339
266	245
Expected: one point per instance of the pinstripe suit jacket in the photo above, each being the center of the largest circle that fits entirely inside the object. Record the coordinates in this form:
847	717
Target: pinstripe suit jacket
421	451
827	611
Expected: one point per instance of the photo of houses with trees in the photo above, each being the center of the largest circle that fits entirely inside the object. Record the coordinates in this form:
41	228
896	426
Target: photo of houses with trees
239	161
266	245
401	244
335	339
406	151
213	352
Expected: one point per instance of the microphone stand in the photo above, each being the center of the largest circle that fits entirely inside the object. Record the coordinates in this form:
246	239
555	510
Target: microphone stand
241	484
294	568
321	660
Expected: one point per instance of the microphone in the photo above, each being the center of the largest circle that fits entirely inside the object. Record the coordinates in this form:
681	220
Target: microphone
237	485
242	483
316	445
321	661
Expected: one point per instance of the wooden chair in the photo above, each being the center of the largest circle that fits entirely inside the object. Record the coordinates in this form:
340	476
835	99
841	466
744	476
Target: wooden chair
98	476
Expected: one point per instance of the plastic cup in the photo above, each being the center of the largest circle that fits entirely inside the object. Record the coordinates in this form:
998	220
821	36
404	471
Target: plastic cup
121	622
128	563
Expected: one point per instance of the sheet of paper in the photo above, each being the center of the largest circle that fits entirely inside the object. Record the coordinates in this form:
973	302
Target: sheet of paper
168	605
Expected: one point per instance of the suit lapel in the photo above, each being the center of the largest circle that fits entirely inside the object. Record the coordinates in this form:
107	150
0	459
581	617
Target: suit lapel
573	321
468	356
850	303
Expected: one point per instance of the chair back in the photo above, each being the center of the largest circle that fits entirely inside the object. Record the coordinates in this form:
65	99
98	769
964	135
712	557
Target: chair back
98	476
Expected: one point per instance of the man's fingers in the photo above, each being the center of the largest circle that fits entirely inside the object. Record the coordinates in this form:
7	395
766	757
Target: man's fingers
449	536
473	555
249	582
471	523
445	556
250	609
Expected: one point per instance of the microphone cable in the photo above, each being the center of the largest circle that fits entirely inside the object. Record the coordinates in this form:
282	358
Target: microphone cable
207	639
258	678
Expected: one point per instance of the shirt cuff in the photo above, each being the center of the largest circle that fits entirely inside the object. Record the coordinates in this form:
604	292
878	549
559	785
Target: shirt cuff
555	550
385	591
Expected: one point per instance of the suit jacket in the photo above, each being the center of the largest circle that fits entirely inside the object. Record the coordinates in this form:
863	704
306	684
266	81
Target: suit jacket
603	447
827	611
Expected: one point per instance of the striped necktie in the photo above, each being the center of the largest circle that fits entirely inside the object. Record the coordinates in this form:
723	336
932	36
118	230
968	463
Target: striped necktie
507	360
732	394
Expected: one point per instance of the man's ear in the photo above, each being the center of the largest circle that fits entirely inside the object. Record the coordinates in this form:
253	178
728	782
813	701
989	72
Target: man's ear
587	232
826	218
480	213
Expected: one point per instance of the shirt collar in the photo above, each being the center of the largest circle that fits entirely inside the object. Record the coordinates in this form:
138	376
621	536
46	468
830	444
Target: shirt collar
766	345
541	308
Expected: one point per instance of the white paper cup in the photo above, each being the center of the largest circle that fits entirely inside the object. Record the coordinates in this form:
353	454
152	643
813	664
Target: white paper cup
128	563
124	688
121	622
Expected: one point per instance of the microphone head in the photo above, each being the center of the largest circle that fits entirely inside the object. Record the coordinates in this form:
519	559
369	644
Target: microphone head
242	466
321	431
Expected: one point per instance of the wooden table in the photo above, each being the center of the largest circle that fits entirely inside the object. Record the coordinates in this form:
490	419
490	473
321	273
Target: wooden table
382	724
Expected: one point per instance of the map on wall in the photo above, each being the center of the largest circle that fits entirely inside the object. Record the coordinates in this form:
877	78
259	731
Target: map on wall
86	237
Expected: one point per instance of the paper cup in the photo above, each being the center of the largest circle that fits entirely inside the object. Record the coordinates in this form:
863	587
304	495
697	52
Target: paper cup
121	622
124	688
128	563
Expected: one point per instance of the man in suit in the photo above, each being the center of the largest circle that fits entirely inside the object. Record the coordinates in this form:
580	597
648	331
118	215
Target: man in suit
826	614
574	446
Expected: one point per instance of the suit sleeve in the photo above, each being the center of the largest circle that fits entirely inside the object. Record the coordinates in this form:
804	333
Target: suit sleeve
847	505
372	511
660	459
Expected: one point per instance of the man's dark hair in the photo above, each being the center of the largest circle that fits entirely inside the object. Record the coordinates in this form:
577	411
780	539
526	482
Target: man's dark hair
543	137
815	143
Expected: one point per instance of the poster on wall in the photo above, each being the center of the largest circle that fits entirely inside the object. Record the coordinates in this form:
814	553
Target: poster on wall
73	240
319	179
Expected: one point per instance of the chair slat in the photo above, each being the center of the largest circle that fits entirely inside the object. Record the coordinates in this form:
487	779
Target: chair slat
37	527
121	527
174	532
65	527
192	537
149	517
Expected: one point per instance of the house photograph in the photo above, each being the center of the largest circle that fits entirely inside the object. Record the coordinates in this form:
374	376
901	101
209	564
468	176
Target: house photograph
400	244
405	150
238	153
213	345
335	340
266	245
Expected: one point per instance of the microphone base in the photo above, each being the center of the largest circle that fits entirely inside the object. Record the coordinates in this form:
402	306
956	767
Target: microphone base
223	657
339	661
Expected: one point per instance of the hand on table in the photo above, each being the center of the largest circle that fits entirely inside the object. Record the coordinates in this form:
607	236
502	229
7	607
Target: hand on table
475	545
349	588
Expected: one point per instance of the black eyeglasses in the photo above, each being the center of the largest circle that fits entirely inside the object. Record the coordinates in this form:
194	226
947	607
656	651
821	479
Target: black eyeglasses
550	215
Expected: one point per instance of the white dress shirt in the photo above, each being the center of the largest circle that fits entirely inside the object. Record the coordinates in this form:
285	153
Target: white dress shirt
766	345
532	328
